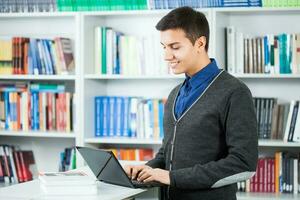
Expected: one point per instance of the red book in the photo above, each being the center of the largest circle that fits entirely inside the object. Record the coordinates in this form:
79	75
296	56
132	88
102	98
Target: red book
18	167
1	169
146	154
260	175
64	111
265	172
26	159
57	108
25	55
14	53
273	175
18	111
49	113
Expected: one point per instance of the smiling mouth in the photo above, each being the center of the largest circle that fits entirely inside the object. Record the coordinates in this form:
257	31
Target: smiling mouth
173	64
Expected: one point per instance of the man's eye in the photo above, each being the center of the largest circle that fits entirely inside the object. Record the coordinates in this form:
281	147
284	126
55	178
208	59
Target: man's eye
175	48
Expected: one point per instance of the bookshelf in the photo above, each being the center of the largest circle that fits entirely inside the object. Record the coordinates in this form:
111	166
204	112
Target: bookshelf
46	145
87	84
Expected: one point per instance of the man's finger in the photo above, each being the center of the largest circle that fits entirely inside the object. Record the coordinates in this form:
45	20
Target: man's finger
149	179
145	175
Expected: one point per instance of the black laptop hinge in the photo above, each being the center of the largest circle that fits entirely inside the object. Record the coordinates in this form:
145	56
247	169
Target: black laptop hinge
104	166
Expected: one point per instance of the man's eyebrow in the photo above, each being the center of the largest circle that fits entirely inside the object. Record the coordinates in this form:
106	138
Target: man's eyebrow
171	44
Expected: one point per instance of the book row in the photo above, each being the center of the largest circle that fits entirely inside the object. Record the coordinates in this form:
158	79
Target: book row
116	53
43	107
277	121
129	117
16	166
20	55
133	154
67	159
269	54
81	5
274	175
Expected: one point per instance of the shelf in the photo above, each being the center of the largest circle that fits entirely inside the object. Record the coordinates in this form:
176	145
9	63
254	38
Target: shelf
133	12
270	76
38	14
255	9
37	77
122	141
263	143
39	134
277	143
108	77
264	196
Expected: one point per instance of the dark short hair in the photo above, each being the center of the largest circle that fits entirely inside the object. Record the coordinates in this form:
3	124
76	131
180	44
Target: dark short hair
192	22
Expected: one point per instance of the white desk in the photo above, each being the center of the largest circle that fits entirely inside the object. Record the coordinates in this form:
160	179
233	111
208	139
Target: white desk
31	191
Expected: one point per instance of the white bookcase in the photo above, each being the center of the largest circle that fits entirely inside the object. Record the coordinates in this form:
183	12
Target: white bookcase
86	84
45	145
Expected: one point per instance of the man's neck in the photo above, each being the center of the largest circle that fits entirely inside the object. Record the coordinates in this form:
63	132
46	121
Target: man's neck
203	62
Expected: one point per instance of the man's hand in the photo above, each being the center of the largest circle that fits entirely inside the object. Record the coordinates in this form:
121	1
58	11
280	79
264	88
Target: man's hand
133	170
150	174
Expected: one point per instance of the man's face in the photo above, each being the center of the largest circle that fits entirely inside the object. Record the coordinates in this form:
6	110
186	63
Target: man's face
182	56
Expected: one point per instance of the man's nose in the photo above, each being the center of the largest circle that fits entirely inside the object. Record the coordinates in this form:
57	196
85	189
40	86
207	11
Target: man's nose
168	55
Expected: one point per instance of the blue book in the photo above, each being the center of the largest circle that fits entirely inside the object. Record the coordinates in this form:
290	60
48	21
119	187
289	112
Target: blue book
7	110
48	60
126	116
122	116
53	88
118	112
133	117
35	113
51	56
43	49
34	55
267	56
150	106
111	116
97	116
105	116
161	120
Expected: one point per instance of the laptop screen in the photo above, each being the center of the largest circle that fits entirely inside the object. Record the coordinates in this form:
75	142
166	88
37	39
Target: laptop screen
105	166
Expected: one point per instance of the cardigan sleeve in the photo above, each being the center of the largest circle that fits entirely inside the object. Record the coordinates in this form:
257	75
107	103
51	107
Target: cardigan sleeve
242	143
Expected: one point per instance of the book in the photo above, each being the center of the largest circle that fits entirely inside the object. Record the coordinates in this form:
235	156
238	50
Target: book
67	183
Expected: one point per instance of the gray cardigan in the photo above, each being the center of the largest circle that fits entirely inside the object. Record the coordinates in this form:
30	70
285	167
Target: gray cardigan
212	145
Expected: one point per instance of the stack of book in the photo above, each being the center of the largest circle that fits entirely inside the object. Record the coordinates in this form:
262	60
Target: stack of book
277	121
67	160
269	54
67	183
133	154
129	117
279	174
117	53
20	55
16	166
43	107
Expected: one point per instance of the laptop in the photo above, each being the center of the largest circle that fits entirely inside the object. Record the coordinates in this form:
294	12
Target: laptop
107	168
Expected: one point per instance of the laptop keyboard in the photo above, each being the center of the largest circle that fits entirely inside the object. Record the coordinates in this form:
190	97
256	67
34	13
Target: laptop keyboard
140	184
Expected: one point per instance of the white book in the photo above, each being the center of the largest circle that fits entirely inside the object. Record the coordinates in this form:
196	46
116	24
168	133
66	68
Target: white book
66	179
109	51
239	55
98	50
231	49
295	184
296	136
66	190
288	123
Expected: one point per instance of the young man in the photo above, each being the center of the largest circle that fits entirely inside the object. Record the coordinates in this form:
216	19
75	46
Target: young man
210	126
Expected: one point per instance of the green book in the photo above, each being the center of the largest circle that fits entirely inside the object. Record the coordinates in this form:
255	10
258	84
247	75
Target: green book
103	33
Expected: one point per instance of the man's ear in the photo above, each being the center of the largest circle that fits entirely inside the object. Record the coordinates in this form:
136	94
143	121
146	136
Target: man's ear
200	43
